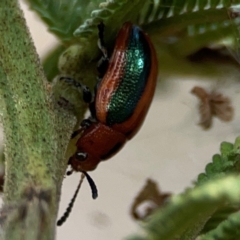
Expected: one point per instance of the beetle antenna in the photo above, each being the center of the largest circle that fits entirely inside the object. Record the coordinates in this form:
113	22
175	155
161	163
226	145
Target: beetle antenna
70	206
92	185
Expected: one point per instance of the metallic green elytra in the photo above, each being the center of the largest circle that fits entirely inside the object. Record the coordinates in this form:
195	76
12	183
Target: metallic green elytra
127	88
136	64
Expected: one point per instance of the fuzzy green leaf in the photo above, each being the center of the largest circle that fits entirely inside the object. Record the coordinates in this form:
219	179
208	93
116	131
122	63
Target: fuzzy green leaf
222	164
227	230
112	13
218	217
189	211
63	17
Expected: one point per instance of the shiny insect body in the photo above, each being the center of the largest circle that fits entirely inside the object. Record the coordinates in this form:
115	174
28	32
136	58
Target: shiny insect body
122	98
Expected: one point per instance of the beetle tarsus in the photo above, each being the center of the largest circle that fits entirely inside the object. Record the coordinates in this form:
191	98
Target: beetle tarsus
77	132
87	95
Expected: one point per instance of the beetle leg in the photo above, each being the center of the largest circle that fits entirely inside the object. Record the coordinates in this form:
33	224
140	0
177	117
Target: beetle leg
87	95
104	60
86	123
77	132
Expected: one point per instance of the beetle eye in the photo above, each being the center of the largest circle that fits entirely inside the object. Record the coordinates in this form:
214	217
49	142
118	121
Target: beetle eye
81	156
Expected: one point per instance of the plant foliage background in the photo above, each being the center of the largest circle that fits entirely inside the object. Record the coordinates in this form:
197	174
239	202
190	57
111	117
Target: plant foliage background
207	209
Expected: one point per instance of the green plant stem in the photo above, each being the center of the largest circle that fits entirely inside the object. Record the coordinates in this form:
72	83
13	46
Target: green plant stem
36	133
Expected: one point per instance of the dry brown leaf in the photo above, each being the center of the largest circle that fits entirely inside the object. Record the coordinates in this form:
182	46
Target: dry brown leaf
150	194
212	104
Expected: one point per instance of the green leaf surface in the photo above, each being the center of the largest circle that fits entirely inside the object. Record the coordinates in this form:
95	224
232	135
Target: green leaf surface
229	229
190	211
63	17
112	13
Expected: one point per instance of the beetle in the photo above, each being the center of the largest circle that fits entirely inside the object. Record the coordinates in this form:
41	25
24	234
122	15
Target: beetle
122	98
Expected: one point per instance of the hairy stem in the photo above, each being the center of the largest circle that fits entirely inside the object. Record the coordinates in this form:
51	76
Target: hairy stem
36	133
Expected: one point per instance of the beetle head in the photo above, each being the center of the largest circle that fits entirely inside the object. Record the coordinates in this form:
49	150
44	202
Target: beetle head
83	161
